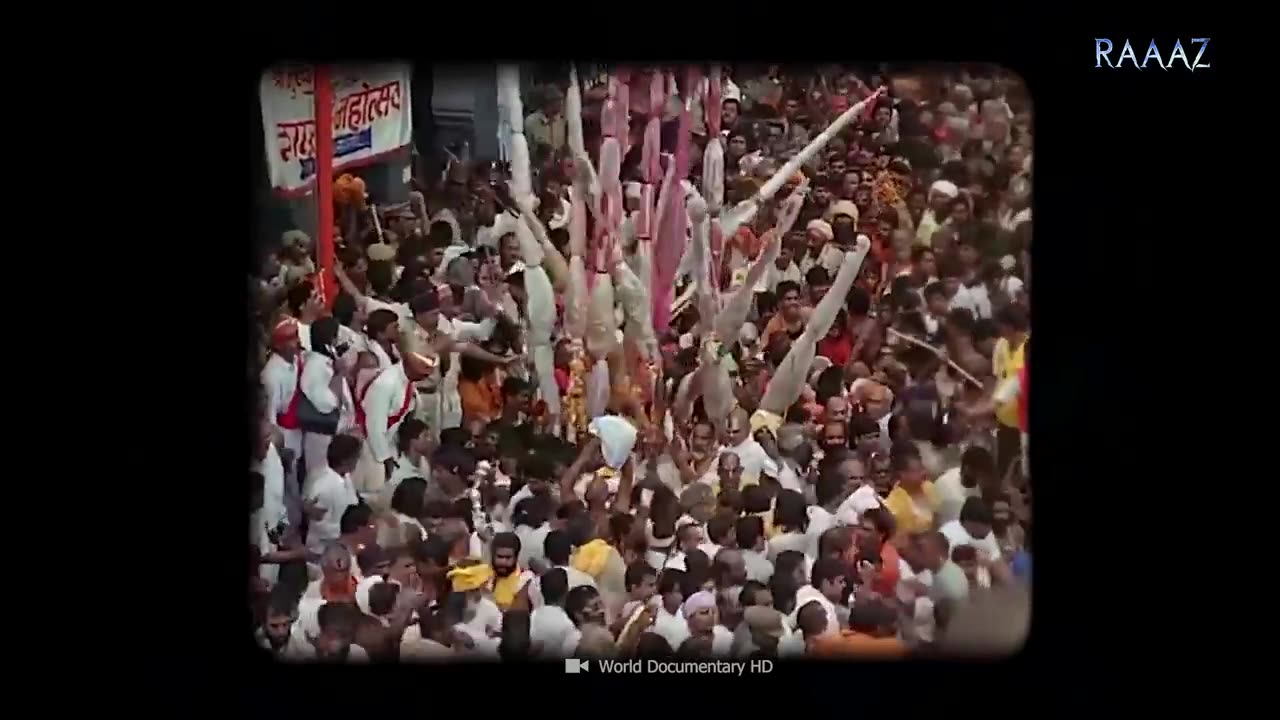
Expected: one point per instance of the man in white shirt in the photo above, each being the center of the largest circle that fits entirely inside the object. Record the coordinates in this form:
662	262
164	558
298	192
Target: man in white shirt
830	574
822	516
549	624
973	528
280	379
749	531
977	470
752	455
276	496
329	492
558	549
280	634
387	401
670	622
383	333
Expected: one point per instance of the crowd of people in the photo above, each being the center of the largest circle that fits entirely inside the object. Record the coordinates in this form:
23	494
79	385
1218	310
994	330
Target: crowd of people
713	363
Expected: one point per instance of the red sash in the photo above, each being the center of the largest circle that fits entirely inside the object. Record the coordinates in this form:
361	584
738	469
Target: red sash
289	418
391	420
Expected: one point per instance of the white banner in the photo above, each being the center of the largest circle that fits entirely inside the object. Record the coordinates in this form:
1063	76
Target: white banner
371	118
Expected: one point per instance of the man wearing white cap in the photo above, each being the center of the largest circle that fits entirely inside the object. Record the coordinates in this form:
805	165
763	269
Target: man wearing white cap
941	193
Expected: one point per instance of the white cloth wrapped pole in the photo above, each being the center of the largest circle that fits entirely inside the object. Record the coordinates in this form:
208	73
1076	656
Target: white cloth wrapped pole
541	300
622	120
602	324
597	400
713	173
717	394
553	262
746	210
531	251
705	294
575	309
587	186
734	314
509	97
669	185
541	310
736	310
610	183
573	114
785	386
634	298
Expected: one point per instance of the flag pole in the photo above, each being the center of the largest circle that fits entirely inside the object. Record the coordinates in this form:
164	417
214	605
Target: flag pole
324	181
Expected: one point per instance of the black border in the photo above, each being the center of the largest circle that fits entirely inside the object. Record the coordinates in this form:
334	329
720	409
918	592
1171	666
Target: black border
1112	177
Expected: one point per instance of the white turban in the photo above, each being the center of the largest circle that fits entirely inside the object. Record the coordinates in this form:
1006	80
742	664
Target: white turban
632	190
945	187
822	228
844	207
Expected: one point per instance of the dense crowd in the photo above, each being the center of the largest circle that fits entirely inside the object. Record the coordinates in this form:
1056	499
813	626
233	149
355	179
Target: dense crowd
682	373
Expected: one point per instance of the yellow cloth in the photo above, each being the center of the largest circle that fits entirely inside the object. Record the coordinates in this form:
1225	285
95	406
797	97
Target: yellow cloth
505	589
1006	364
765	419
470	578
592	557
904	510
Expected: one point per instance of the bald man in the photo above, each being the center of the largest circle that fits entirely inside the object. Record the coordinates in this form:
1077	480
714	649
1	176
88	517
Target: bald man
336	583
738	441
729	470
796	454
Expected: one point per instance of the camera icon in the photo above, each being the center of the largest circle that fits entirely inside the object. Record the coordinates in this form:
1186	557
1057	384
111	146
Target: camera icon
575	666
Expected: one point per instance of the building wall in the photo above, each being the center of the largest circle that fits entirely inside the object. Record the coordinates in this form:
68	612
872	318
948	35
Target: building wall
452	104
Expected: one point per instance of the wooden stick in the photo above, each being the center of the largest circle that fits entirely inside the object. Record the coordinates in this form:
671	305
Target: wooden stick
920	343
377	226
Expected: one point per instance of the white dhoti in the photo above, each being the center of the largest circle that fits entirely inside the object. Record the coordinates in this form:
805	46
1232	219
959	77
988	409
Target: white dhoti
369	476
450	413
315	450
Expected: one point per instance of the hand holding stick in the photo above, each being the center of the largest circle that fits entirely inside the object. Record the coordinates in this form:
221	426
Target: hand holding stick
920	343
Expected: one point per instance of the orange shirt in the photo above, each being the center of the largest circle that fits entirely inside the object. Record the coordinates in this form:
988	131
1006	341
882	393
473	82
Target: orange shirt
480	400
778	325
886	581
851	644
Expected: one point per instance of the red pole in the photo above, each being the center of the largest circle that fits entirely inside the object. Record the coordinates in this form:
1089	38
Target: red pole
324	182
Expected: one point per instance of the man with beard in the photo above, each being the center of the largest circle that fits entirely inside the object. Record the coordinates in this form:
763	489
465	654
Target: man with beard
586	608
280	634
699	462
508	579
336	639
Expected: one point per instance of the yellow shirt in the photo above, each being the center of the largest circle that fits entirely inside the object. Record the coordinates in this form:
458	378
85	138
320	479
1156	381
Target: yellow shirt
1006	364
911	517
